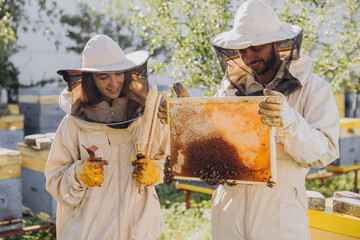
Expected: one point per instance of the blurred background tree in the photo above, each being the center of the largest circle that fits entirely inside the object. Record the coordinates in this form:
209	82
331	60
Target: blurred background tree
178	33
181	31
332	38
108	20
13	15
8	72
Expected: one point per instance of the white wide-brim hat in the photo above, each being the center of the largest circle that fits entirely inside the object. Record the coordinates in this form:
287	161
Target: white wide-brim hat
102	54
255	24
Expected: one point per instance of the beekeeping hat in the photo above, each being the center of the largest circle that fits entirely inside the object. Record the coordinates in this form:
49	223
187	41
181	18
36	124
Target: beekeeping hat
256	24
102	54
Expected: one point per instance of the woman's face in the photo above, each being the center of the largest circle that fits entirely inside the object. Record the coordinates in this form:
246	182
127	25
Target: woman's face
109	84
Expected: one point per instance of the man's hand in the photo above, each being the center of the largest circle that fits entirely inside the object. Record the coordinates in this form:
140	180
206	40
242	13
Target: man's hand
91	172
275	110
146	171
162	113
180	92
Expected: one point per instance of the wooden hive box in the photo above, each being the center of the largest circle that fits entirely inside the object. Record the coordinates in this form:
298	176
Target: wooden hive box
332	225
10	185
41	109
37	200
11	130
220	140
349	142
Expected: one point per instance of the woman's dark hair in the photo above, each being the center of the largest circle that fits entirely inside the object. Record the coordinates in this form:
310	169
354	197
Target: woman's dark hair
90	93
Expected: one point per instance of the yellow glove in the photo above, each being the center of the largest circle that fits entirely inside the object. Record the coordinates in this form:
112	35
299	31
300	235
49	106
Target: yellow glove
91	172
180	92
275	110
146	171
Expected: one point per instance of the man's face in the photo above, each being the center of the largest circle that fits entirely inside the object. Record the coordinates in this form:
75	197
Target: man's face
260	58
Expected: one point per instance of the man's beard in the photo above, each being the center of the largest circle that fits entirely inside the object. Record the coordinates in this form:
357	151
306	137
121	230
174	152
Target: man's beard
269	63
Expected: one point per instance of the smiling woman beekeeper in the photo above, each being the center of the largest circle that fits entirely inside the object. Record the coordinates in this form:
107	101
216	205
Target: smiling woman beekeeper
261	56
107	105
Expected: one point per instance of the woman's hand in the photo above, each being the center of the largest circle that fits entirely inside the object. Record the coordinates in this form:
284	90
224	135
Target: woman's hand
146	171
91	172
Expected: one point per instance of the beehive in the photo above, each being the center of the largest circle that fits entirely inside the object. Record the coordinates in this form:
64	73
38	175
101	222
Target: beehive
349	142
329	224
36	200
41	109
11	130
221	138
10	185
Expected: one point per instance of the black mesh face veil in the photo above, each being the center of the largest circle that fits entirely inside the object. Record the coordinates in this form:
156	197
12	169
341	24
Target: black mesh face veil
236	72
132	98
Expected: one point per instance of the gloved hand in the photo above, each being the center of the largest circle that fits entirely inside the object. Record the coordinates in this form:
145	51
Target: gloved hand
275	110
146	171
180	92
91	172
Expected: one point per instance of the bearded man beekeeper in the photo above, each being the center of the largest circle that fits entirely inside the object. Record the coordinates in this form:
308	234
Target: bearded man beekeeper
261	56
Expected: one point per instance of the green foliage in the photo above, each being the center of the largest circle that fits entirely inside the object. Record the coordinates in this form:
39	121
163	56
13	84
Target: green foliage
182	30
340	59
182	223
169	195
8	72
343	182
192	223
331	36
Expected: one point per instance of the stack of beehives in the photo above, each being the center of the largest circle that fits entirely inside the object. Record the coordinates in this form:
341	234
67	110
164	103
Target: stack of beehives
41	109
34	153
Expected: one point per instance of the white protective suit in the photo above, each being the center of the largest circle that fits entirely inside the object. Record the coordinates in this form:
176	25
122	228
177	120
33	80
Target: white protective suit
255	212
115	210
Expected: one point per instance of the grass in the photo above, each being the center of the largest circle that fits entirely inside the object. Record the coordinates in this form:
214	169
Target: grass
38	235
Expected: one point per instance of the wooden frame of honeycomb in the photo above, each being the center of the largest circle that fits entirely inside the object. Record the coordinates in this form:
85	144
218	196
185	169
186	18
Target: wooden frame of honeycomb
220	141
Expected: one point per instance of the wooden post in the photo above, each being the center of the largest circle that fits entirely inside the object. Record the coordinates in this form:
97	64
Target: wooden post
187	198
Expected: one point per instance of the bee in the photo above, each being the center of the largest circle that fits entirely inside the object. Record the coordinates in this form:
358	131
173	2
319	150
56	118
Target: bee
168	173
214	177
270	183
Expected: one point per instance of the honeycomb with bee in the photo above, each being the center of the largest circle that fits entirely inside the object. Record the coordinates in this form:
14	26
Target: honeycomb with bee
220	141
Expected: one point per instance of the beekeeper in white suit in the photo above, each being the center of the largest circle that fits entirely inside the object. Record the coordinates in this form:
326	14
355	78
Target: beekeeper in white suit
107	105
261	56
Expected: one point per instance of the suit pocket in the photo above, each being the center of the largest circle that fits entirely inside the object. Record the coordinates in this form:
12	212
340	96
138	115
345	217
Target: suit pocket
94	197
